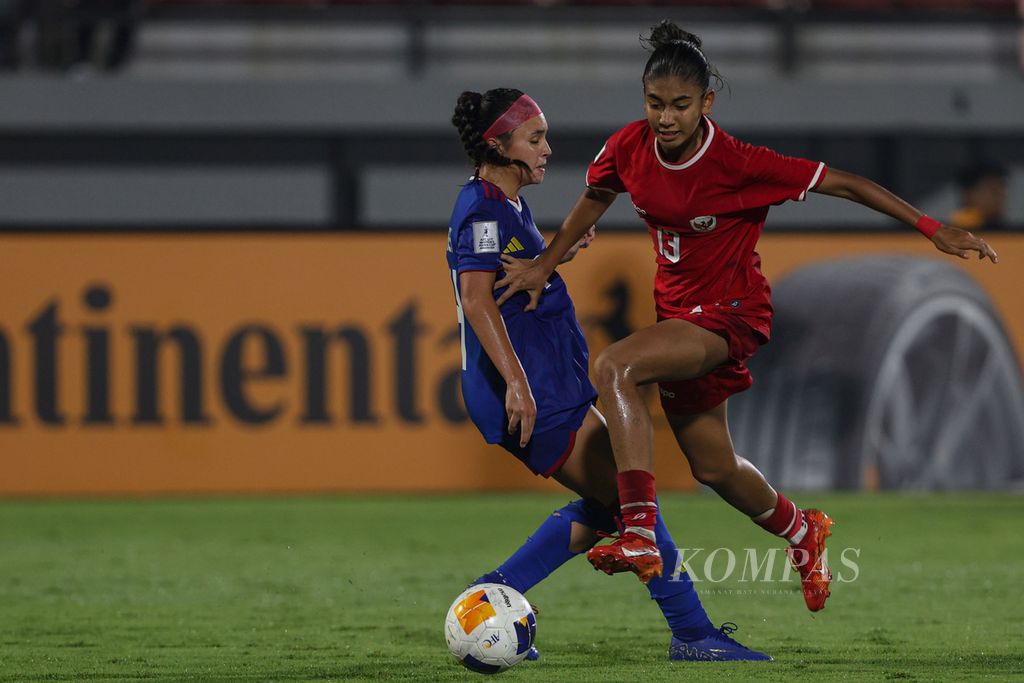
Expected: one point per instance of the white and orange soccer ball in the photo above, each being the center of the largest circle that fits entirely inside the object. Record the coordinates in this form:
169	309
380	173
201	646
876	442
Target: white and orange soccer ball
490	628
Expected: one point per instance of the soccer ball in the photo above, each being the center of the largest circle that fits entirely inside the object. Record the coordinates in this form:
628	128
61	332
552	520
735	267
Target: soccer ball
490	628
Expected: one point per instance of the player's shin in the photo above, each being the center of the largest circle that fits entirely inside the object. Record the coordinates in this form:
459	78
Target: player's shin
785	520
638	504
806	531
550	546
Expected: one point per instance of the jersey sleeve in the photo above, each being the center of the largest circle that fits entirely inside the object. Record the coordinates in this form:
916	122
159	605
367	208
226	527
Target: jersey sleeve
603	172
772	178
478	243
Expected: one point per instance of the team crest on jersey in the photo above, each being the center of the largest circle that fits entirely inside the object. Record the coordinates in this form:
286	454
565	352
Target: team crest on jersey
704	223
485	237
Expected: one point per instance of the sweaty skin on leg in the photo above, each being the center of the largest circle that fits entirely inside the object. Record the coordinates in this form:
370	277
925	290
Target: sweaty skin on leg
669	350
705	441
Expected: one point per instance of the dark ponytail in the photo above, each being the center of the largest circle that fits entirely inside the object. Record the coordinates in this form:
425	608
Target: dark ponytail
474	114
677	53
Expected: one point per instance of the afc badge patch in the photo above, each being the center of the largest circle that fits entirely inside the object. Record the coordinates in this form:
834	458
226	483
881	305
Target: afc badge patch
704	223
485	237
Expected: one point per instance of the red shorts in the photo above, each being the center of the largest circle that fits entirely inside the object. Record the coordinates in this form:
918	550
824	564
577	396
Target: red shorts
692	396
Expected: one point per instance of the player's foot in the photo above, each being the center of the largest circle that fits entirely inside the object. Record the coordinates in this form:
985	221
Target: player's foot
808	558
492	577
629	553
533	654
716	647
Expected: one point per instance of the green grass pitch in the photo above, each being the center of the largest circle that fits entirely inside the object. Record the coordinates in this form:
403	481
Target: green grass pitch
355	588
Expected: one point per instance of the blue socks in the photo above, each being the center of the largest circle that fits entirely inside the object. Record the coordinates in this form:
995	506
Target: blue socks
547	549
675	595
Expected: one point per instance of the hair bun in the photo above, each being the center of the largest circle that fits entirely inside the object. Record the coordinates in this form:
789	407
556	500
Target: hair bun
675	53
467	108
667	33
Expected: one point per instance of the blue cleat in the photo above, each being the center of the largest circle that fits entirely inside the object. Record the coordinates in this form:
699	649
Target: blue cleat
533	654
717	647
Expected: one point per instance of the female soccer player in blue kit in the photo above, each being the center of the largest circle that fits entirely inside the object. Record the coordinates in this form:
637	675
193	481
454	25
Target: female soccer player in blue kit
524	374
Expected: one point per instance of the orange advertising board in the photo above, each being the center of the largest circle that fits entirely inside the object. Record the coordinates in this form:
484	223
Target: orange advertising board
146	364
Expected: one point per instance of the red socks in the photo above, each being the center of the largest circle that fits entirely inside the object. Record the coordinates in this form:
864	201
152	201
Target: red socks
638	503
785	519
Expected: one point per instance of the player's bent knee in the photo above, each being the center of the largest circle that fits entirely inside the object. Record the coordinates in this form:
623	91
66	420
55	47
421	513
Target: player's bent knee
609	370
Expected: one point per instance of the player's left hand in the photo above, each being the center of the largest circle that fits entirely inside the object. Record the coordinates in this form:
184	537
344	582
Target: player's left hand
958	242
584	242
521	275
521	410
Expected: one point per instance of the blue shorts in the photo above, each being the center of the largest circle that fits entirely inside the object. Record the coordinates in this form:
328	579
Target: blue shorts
547	451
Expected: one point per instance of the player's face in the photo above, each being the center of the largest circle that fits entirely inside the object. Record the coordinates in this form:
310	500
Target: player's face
529	144
674	108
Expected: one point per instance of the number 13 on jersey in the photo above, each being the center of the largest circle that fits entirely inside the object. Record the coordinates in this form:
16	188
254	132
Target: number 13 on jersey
668	245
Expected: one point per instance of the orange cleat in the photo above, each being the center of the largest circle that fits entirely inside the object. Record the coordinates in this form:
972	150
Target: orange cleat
808	558
629	553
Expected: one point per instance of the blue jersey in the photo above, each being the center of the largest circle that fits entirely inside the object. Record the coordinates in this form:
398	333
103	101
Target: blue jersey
550	345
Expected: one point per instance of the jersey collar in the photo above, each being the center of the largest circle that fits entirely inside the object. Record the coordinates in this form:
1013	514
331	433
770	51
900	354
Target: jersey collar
696	157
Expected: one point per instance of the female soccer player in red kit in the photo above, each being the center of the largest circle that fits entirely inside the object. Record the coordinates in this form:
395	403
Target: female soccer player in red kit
704	196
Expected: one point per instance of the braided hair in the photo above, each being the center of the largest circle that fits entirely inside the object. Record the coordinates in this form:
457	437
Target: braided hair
474	114
677	53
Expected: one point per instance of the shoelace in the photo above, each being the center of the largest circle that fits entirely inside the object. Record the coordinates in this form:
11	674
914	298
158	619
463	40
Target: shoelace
726	630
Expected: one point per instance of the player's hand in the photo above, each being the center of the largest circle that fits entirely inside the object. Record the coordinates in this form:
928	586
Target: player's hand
521	410
522	275
958	242
584	242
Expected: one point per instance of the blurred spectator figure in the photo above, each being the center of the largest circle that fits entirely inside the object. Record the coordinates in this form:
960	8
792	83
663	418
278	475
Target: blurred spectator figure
10	24
71	33
982	197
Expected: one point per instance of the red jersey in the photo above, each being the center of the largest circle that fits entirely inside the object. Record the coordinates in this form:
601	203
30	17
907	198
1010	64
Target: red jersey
705	215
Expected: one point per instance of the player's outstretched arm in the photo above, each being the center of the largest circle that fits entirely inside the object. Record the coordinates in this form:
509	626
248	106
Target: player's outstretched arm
483	316
531	275
945	237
